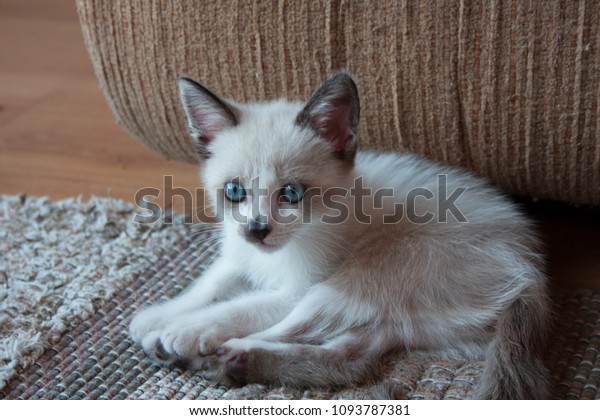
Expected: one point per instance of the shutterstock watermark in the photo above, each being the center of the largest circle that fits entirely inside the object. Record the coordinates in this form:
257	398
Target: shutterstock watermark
334	205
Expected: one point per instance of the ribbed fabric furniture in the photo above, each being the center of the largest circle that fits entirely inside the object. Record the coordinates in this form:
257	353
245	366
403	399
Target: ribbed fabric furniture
508	88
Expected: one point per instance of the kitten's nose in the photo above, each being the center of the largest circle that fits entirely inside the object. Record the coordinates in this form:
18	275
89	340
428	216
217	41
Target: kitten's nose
258	230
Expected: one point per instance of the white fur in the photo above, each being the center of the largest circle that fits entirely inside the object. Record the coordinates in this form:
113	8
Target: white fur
349	287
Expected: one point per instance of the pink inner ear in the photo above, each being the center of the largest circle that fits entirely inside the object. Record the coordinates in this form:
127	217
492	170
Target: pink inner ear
207	114
334	125
209	122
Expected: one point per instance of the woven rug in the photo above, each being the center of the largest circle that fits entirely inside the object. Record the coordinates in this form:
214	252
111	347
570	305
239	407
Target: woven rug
73	272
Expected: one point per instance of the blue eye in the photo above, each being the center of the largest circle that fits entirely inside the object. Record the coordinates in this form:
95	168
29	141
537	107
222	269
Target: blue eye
292	193
234	192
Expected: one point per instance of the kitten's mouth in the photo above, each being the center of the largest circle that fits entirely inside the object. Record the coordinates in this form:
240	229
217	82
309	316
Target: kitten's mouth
266	246
264	238
263	244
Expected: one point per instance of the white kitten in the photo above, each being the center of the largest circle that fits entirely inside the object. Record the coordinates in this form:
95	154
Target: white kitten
330	257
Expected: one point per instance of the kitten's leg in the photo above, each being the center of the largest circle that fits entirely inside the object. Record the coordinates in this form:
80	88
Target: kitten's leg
216	283
191	337
326	340
322	314
350	358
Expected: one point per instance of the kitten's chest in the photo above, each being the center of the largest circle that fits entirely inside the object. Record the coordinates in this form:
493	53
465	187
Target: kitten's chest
283	270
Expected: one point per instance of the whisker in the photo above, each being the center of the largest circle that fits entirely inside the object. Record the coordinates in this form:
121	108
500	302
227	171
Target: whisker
208	247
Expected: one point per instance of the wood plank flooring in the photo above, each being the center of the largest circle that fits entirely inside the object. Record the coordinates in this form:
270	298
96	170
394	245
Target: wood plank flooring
58	136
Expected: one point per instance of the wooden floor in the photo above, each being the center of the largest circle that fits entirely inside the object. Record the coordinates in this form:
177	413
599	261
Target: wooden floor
57	134
59	138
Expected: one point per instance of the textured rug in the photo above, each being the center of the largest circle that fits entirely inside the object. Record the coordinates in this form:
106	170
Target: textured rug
72	273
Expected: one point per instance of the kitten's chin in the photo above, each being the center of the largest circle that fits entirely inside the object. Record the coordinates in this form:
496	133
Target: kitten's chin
266	245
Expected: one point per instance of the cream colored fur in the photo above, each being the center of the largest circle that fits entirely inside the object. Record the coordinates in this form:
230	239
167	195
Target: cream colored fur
317	303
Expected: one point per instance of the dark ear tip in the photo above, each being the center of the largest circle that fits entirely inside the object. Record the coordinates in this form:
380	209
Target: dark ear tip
184	81
344	76
343	73
343	79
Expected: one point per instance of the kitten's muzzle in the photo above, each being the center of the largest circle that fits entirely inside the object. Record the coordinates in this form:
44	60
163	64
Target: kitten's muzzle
258	231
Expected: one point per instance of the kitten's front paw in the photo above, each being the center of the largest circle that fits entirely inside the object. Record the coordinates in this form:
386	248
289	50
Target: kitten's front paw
146	322
155	350
146	329
181	341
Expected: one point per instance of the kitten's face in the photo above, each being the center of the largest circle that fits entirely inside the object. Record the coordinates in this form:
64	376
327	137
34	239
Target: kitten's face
269	166
267	175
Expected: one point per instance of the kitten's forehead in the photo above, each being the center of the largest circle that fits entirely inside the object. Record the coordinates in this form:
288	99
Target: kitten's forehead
267	143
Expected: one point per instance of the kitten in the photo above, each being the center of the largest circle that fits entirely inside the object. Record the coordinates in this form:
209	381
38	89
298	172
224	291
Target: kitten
319	274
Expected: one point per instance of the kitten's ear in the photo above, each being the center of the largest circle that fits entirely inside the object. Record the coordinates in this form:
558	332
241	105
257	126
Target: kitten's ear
333	112
206	113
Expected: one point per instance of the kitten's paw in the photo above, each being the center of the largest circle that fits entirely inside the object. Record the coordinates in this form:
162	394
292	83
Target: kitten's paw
175	342
237	367
155	350
146	322
214	370
237	360
191	341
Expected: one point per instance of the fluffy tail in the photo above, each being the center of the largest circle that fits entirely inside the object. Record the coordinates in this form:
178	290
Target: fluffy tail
514	367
